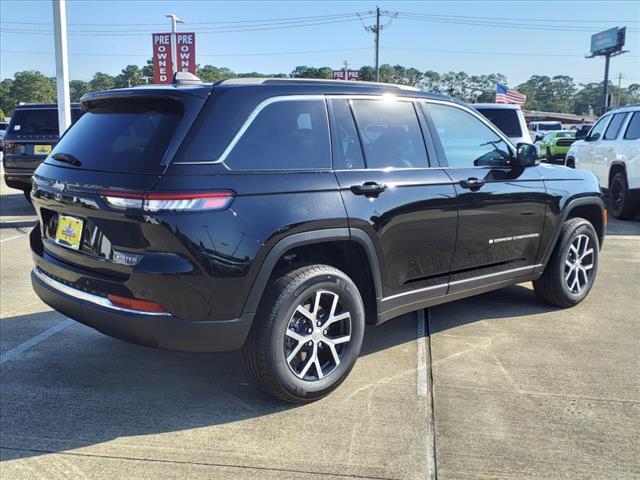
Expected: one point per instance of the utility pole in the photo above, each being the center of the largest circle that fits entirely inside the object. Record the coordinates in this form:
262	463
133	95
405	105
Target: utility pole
62	64
174	45
605	92
346	66
619	85
377	32
376	29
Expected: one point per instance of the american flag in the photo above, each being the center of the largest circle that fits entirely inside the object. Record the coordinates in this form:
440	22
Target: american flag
506	95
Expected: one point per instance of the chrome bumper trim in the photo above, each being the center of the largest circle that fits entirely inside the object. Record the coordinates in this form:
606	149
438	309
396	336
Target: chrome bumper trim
88	297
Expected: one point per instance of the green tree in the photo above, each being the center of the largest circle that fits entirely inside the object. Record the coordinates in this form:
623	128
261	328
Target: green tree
33	87
209	73
302	71
7	102
102	81
130	76
77	88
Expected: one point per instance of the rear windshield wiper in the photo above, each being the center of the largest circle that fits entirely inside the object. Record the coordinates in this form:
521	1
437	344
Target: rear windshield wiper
67	158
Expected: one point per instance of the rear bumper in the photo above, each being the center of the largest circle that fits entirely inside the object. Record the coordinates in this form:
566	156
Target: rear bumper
152	330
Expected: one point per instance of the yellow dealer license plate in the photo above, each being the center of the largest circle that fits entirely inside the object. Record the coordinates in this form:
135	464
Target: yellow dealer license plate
41	149
69	231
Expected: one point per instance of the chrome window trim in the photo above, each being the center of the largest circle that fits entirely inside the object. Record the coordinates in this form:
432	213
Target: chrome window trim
88	297
288	98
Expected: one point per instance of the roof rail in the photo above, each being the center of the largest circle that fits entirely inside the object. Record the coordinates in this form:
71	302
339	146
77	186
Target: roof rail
263	80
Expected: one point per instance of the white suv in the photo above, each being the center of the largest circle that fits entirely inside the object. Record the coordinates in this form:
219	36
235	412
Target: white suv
611	150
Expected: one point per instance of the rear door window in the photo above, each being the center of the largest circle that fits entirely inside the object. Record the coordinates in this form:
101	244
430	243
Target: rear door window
285	135
123	136
505	119
390	134
614	126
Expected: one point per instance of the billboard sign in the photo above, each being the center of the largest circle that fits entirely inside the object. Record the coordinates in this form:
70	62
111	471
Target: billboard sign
186	52
607	40
162	65
345	74
163	59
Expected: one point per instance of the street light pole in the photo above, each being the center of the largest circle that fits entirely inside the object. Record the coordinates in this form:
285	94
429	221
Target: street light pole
174	45
62	64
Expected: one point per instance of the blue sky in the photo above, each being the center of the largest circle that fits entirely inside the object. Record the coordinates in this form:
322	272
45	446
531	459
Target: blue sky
462	45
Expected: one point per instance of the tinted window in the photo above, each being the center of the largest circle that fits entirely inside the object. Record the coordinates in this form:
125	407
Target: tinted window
565	134
548	127
633	130
390	134
122	136
505	119
286	135
347	153
38	120
598	128
614	126
467	142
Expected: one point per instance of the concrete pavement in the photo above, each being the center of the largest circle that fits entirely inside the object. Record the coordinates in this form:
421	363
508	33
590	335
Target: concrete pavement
520	391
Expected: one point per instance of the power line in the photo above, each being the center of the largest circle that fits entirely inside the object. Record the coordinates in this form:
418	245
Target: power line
281	19
481	22
222	29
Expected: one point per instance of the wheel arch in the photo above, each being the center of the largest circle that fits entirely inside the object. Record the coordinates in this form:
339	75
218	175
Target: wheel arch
332	246
590	208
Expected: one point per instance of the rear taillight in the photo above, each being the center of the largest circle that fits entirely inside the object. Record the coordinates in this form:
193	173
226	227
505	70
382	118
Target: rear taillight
169	202
12	148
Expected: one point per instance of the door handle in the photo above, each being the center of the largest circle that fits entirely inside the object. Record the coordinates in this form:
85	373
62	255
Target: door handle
472	184
369	188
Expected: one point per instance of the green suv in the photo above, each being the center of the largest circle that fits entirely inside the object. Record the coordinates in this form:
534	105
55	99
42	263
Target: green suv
553	147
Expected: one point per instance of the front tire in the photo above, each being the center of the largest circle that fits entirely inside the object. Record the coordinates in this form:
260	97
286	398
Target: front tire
620	204
307	334
573	266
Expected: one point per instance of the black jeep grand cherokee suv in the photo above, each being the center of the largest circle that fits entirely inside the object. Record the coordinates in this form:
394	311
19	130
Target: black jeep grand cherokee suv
280	216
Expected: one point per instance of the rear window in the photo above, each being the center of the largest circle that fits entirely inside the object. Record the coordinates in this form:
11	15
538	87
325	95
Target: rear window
38	121
123	136
565	135
548	127
505	119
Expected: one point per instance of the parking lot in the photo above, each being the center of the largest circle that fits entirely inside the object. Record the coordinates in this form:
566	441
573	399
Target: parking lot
498	386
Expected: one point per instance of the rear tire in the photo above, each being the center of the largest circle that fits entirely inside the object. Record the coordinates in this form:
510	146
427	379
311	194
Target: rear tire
307	334
620	204
573	266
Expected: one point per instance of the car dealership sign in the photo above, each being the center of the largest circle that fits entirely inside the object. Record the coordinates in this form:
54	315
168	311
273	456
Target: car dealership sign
345	74
163	60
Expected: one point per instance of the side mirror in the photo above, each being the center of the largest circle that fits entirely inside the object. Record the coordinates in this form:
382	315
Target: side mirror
592	138
526	155
539	137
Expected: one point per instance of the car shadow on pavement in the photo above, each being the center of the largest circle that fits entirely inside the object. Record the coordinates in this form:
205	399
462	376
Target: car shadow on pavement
81	388
15	205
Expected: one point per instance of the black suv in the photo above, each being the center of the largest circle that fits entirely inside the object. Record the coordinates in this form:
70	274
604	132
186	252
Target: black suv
30	137
280	216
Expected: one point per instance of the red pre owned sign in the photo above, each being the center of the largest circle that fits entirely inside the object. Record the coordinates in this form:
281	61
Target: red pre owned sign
162	66
186	51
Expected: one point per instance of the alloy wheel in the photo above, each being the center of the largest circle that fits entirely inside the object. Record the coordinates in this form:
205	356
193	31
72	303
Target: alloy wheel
579	264
317	336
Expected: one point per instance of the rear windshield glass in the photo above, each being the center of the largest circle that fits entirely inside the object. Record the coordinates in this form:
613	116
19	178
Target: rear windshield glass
505	119
564	135
38	121
547	127
119	136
